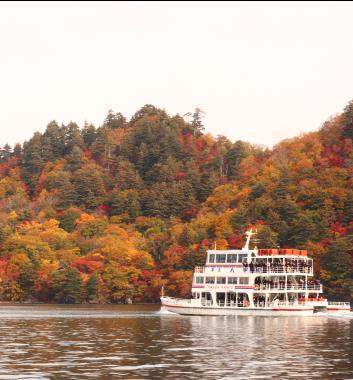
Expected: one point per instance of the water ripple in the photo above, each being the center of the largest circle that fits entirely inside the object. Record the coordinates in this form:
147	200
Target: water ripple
138	342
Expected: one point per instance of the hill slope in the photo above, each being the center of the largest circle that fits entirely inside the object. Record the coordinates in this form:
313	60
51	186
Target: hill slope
109	213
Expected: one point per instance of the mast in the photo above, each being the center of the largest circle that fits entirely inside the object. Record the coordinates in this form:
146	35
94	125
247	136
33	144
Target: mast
248	234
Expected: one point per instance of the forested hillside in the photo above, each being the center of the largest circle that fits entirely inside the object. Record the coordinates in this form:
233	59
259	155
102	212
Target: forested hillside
110	213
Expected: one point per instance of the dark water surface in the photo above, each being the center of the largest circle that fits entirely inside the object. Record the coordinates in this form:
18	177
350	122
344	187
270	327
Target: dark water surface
139	342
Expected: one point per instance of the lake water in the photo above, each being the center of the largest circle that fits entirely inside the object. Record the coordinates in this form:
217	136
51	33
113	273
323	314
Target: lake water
140	342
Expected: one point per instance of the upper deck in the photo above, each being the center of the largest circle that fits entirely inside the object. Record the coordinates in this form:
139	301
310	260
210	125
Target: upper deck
289	269
260	269
261	261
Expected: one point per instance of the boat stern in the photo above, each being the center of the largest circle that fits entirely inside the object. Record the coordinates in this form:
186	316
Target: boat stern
339	307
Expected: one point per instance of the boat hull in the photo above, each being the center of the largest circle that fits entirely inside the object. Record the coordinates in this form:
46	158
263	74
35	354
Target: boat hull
340	310
185	310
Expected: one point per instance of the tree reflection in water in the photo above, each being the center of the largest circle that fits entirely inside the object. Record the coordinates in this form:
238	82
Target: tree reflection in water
138	342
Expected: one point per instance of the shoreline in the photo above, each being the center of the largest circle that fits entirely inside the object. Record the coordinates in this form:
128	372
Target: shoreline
77	304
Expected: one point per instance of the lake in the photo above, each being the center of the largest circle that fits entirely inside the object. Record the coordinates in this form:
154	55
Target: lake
140	342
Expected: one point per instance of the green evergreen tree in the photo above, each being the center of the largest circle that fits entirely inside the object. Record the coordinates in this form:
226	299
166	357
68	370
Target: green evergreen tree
267	238
92	287
146	110
348	207
68	218
115	120
5	153
284	181
287	209
89	184
338	264
206	184
257	190
125	201
127	176
278	225
53	142
67	285
196	123
32	161
72	138
75	158
185	238
89	134
17	150
27	278
235	155
302	231
239	219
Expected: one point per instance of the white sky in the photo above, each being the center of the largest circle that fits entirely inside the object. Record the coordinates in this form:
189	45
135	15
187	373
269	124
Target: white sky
261	73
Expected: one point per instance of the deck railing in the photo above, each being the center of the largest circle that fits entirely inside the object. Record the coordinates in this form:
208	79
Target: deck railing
285	303
281	269
272	269
333	303
233	304
289	287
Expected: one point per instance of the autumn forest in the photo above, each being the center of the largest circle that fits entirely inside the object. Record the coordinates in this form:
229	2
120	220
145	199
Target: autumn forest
111	213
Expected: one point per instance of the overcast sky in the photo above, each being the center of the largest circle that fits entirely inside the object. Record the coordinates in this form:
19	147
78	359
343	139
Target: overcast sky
260	73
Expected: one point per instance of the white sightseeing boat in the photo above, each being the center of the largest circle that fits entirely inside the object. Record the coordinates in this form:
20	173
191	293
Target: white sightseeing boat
255	282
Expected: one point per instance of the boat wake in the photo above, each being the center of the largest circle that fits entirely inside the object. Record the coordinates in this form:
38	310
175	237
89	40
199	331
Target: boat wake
333	315
164	311
342	315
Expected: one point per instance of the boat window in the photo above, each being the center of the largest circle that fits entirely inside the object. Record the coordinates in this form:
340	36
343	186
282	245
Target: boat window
242	257
210	280
200	280
243	280
206	295
221	280
243	300
221	299
211	258
206	299
232	258
232	280
221	258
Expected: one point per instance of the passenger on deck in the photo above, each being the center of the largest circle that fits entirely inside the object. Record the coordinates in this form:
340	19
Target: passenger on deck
245	265
301	284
